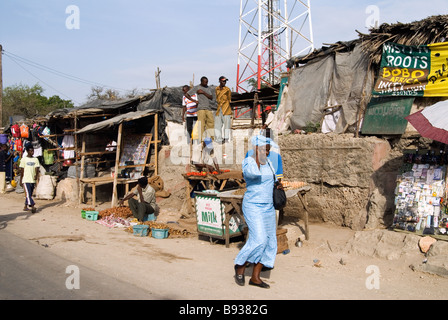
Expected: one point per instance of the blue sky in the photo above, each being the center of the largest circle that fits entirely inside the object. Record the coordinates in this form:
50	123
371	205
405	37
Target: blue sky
120	44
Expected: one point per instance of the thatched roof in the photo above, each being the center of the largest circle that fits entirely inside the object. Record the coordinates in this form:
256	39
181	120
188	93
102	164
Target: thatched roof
433	29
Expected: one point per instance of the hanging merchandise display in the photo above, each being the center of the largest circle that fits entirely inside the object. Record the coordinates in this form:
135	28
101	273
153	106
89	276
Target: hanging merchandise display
24	131
420	194
68	142
15	130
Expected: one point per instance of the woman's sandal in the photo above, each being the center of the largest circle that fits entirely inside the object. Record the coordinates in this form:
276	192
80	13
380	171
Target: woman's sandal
239	278
261	285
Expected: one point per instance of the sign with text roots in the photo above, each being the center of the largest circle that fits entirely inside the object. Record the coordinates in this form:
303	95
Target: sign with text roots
413	71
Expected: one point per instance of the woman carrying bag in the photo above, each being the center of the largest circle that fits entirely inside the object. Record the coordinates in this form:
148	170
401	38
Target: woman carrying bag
259	213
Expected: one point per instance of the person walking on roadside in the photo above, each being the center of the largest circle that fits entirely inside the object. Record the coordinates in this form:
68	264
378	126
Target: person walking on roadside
29	177
259	213
3	161
223	115
146	203
204	99
190	109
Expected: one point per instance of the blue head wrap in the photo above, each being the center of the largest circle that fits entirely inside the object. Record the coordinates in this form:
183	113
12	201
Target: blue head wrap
260	141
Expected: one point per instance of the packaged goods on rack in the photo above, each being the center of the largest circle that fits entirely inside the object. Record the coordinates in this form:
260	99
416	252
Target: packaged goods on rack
420	198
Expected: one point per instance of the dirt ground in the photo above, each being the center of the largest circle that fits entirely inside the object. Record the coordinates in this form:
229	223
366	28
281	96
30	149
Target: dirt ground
193	268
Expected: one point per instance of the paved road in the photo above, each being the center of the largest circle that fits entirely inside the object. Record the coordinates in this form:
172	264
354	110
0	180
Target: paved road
29	271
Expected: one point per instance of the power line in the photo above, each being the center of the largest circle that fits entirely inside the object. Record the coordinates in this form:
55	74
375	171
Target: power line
40	79
56	72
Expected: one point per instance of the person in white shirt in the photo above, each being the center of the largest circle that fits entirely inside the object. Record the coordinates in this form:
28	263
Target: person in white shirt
190	109
269	117
29	176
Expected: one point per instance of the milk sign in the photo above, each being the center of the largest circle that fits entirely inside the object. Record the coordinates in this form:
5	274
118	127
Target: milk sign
210	216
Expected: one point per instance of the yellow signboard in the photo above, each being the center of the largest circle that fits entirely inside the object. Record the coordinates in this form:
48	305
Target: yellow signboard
414	71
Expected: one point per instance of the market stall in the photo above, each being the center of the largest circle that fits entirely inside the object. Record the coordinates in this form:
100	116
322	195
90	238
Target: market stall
131	153
420	195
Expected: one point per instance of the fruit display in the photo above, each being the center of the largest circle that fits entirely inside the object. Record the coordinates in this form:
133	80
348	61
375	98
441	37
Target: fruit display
203	173
197	174
122	212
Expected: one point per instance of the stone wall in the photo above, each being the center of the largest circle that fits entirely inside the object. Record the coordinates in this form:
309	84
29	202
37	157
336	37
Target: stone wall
352	179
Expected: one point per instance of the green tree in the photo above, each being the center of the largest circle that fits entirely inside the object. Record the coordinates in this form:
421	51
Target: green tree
30	102
253	82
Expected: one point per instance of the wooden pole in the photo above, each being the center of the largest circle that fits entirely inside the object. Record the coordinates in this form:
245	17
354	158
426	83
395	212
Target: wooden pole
78	176
83	157
1	88
158	78
117	161
252	121
156	149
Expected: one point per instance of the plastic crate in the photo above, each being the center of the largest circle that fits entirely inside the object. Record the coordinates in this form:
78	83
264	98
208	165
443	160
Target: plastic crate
140	230
149	217
159	233
92	215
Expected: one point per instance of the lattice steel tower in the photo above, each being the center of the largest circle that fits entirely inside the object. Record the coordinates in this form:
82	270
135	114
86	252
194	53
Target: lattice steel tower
270	33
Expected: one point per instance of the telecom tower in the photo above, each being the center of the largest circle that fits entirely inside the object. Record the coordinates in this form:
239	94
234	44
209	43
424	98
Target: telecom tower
270	33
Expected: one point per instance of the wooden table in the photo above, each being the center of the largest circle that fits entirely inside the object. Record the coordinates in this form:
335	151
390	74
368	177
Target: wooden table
301	194
208	181
97	181
232	205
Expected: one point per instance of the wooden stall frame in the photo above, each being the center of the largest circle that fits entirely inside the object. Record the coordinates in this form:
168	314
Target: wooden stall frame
153	140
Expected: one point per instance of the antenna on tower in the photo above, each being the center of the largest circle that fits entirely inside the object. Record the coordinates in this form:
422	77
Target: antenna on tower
270	33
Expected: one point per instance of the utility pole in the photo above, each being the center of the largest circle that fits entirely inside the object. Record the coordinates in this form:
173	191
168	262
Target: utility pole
1	88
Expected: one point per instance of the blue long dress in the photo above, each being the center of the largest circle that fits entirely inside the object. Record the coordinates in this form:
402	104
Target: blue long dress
259	213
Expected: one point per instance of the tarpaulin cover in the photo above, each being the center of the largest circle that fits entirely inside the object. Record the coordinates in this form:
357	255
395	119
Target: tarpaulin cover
114	121
96	106
309	90
337	79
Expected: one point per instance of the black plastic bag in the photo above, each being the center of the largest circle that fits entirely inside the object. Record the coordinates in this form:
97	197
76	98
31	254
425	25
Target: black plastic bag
279	197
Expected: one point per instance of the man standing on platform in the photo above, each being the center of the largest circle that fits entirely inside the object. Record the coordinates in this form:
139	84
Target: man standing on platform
205	114
190	109
223	116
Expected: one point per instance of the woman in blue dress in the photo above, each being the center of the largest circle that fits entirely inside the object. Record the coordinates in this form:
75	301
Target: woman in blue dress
259	213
